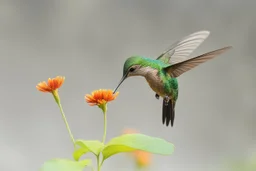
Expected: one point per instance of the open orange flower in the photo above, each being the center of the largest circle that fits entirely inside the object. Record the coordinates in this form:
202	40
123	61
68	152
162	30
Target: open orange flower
52	85
100	97
142	158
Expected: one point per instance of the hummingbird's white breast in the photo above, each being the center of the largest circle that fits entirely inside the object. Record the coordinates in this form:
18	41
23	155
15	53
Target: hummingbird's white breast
153	79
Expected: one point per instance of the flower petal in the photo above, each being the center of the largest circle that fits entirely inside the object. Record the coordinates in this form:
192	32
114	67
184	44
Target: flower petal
101	96
51	85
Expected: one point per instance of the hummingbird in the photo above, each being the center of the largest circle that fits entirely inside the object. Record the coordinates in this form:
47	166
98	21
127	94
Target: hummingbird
161	73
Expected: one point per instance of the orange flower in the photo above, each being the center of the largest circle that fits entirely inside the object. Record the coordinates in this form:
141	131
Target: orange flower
52	85
142	158
100	97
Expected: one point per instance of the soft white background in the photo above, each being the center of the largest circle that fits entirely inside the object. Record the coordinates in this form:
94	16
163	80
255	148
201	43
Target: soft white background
87	41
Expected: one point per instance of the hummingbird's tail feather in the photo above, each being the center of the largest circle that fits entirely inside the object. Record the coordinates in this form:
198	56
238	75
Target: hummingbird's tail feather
164	112
168	113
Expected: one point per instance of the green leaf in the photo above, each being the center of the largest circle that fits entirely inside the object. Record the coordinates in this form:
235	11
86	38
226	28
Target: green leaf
65	165
87	146
131	142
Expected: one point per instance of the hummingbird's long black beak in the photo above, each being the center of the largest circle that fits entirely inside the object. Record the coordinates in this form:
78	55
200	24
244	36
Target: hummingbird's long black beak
124	77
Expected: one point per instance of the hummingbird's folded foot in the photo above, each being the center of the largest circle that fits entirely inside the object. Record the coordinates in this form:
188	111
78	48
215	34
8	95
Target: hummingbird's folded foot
157	96
166	99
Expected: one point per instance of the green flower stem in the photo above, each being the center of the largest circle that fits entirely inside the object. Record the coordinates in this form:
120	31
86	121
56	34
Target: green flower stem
57	99
66	122
104	109
105	127
98	162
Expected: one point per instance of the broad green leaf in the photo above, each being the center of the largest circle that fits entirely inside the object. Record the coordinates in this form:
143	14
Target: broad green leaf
131	142
65	165
87	146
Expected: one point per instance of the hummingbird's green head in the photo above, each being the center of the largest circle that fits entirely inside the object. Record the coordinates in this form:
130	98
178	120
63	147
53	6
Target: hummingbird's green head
132	67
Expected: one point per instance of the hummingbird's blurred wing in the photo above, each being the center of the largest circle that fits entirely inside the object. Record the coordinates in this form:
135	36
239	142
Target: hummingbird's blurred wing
180	50
182	67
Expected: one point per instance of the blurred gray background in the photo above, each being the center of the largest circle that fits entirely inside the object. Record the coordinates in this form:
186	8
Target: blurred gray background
87	41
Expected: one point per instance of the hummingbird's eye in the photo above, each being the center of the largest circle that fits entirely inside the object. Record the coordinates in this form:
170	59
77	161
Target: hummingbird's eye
132	69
